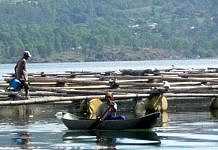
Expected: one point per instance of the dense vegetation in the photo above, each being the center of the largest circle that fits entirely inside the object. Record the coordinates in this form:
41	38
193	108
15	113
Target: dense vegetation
96	30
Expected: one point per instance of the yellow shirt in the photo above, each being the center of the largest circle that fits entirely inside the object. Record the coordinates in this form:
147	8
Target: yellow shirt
94	108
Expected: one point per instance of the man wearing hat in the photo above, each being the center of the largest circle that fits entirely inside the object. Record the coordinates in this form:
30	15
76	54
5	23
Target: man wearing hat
21	72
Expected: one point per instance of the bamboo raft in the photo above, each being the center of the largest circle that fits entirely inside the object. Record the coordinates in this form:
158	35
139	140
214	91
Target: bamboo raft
125	84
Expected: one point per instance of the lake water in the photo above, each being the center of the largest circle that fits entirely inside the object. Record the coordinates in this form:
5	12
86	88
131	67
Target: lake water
37	127
40	129
111	66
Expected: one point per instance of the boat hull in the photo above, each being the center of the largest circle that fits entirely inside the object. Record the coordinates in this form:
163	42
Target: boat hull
145	122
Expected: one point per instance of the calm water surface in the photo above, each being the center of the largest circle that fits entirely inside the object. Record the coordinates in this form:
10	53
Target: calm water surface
41	129
184	130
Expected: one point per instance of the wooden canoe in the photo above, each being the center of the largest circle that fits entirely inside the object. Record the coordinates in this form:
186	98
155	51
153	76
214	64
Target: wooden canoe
145	122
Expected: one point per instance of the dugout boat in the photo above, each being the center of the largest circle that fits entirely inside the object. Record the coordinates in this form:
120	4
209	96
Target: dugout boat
145	122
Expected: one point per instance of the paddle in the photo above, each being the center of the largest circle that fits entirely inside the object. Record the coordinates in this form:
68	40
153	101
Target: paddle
100	119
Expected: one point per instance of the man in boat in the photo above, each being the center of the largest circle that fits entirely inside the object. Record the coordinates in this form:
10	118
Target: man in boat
110	108
21	72
157	102
95	108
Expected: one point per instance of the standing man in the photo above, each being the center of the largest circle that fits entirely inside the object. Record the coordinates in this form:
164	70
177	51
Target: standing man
21	72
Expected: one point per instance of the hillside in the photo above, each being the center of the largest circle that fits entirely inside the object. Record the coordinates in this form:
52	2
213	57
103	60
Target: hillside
102	30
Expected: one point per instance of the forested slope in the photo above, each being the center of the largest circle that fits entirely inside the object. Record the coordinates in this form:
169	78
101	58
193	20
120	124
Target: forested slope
102	30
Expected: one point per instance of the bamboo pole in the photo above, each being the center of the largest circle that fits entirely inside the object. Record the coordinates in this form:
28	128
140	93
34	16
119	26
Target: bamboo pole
38	93
126	79
75	98
79	81
91	87
2	82
173	78
201	75
203	87
214	80
190	95
129	77
4	85
174	86
172	71
3	96
161	84
131	83
83	72
72	91
41	100
65	73
65	80
69	87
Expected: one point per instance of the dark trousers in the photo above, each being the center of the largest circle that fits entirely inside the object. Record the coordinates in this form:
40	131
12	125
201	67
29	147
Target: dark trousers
118	117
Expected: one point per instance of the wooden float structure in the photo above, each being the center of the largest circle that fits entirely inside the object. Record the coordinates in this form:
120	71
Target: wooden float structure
125	84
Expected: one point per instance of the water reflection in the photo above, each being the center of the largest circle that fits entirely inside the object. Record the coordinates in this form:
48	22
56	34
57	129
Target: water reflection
164	119
22	139
214	113
19	115
111	139
24	114
141	112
